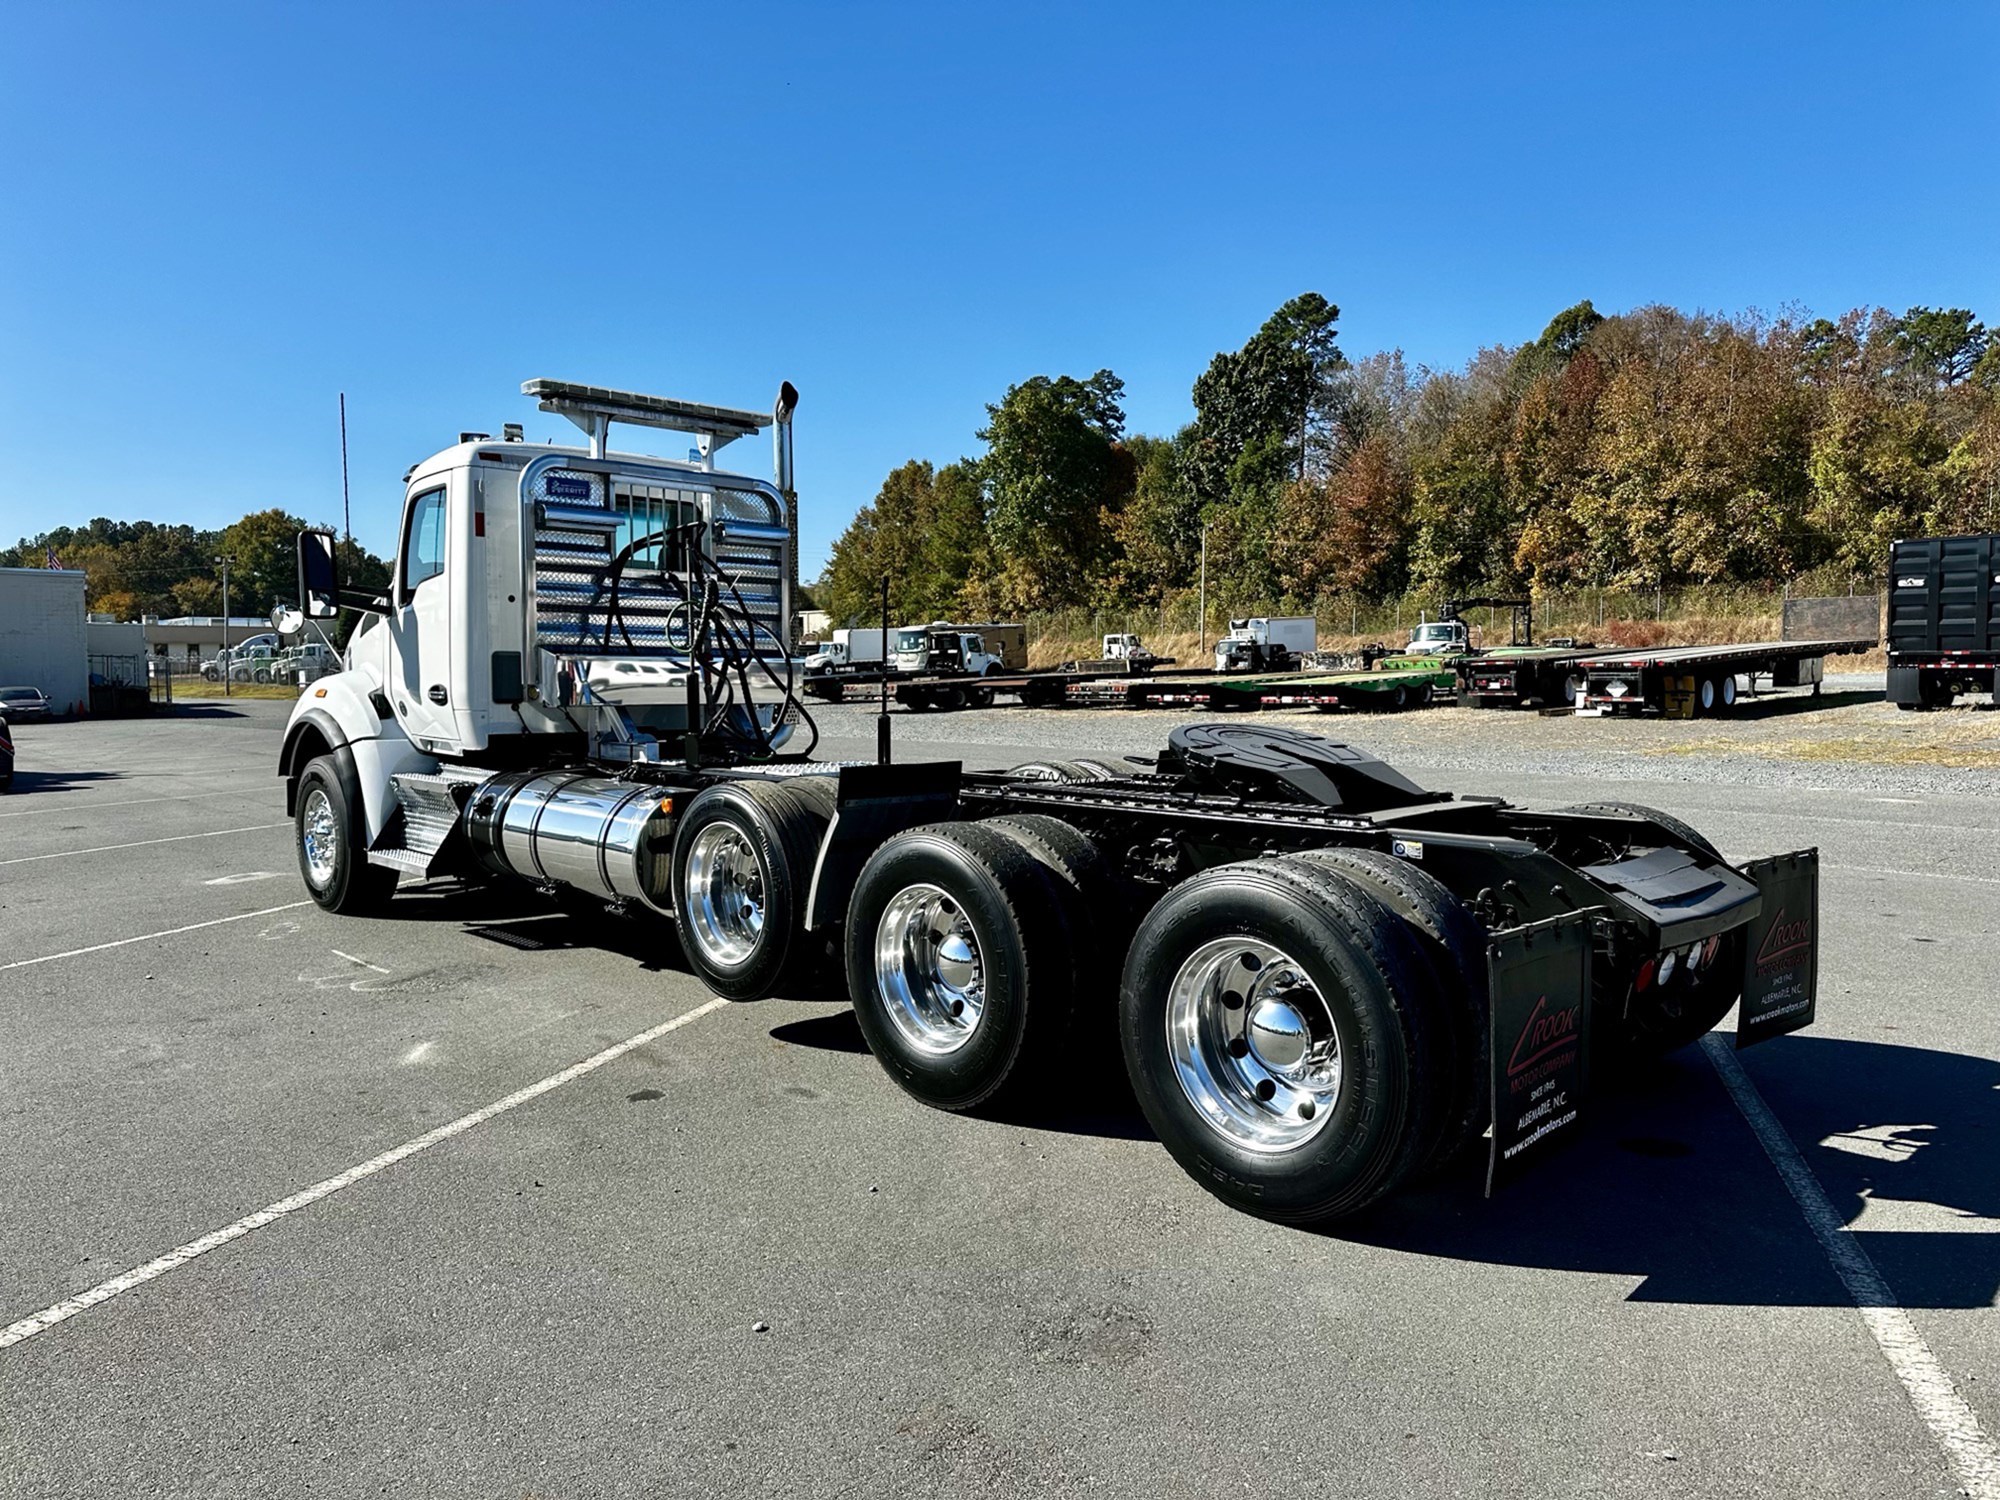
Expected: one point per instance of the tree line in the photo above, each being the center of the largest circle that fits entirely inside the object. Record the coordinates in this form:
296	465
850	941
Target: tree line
138	568
1651	449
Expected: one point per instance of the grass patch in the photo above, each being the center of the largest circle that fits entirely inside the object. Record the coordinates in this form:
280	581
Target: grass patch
1971	749
207	690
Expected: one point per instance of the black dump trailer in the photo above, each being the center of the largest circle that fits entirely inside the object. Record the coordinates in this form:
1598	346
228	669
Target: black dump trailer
1944	620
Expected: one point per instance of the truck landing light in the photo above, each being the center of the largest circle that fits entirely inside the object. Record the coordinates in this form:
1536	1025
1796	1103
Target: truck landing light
1668	961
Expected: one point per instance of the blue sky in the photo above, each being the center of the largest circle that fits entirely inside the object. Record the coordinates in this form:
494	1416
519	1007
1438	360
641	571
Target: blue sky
218	217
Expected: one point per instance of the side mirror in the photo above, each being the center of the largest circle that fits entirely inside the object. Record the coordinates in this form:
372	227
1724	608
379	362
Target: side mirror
319	576
287	620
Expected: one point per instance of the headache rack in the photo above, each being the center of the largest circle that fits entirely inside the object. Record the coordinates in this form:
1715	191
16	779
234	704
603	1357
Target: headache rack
610	564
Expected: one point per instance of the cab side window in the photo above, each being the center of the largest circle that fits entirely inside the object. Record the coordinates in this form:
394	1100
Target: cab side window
423	541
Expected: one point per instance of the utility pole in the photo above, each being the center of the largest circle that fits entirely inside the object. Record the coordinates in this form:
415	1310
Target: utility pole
1201	609
346	516
225	655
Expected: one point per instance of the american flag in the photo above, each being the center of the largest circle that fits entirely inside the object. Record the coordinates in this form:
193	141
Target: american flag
54	561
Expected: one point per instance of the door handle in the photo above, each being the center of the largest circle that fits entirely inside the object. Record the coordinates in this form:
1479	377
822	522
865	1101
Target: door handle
436	693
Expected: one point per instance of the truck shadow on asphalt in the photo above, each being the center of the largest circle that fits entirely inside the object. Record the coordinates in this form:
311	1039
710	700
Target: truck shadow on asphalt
1671	1185
26	783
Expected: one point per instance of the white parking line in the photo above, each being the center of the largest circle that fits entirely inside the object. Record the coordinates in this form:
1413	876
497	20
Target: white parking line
1944	1411
213	833
83	807
104	1291
147	937
1917	874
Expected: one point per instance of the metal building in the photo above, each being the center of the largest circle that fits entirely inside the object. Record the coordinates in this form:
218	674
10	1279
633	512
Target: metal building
42	638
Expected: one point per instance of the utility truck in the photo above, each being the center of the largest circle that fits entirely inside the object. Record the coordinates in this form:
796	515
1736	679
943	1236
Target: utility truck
1323	978
849	651
1266	643
941	649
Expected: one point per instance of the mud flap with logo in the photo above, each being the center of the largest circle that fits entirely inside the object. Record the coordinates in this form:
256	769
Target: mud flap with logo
1539	978
1781	960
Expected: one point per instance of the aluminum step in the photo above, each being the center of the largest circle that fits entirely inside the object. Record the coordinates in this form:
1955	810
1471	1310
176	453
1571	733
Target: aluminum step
401	859
430	812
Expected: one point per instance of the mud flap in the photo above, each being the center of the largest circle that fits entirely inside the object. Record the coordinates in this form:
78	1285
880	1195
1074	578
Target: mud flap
876	803
1539	979
1781	960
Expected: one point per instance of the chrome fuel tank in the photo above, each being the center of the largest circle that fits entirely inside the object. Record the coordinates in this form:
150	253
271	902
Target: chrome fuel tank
609	837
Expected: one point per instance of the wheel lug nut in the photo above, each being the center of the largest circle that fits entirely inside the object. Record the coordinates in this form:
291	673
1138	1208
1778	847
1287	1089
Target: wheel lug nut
1238	1047
1265	1089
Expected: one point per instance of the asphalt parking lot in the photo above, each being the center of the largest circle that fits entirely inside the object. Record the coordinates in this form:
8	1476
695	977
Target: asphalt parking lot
733	1259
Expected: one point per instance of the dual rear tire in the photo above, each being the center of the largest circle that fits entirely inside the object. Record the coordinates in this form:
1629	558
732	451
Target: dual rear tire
743	856
1297	1031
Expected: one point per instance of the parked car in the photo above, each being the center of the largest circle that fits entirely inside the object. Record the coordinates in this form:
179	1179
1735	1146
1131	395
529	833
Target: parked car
314	660
242	663
19	703
6	756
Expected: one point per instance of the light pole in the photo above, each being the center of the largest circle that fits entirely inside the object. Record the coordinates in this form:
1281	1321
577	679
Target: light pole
223	562
1201	608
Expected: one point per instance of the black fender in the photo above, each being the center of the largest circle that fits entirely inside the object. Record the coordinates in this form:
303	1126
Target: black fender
299	749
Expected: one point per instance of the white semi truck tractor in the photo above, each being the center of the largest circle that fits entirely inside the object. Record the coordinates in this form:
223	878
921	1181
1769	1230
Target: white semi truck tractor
1322	979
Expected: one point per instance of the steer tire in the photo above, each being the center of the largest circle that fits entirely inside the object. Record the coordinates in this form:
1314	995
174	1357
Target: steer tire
1372	984
1682	832
779	826
350	886
1024	926
1456	942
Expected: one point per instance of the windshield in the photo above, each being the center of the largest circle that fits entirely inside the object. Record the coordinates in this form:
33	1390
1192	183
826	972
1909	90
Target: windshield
911	640
18	695
1439	632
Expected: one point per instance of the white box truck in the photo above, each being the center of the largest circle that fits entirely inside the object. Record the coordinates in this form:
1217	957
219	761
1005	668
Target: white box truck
847	651
1266	643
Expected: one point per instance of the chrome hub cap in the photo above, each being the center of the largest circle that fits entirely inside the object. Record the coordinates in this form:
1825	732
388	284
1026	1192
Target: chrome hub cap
319	836
928	970
725	895
1253	1044
1277	1035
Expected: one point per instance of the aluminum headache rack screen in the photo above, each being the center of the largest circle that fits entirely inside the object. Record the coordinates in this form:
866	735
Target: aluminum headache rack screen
574	555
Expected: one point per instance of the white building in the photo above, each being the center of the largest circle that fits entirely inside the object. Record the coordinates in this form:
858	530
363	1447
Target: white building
42	642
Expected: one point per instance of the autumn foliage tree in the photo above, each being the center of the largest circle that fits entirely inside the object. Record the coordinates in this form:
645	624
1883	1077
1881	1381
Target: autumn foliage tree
1651	448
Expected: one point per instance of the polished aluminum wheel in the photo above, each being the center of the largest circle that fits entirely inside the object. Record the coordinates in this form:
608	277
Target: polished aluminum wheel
1253	1044
928	969
319	836
725	894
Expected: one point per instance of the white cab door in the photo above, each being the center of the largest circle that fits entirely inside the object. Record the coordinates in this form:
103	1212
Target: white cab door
421	623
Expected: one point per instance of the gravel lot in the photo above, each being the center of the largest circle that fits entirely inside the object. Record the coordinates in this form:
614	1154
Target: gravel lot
734	1260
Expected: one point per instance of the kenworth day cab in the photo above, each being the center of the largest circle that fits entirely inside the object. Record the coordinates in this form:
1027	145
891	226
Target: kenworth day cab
1321	978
